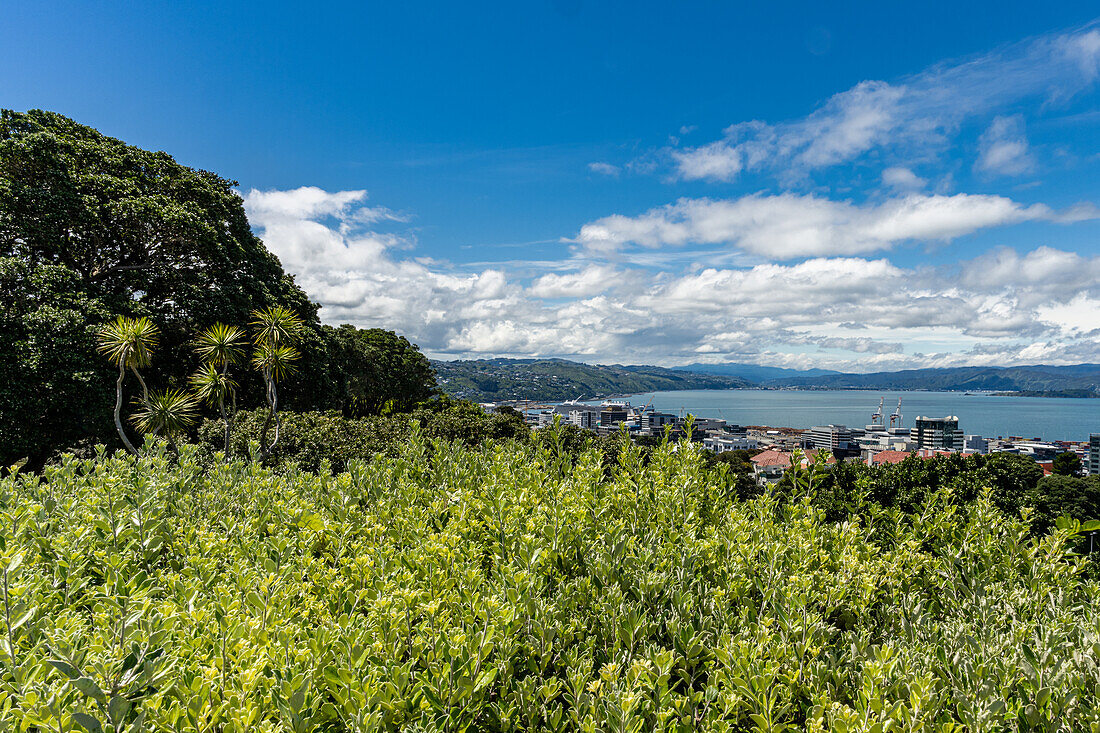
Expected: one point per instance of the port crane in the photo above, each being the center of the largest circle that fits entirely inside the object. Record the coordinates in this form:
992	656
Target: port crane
876	416
897	415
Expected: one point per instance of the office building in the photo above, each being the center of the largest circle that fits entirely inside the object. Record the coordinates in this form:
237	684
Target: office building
975	444
937	433
724	444
612	415
1094	454
587	419
656	421
827	437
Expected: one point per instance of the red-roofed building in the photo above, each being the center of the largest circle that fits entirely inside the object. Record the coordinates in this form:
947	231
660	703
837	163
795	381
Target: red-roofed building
770	465
926	453
887	457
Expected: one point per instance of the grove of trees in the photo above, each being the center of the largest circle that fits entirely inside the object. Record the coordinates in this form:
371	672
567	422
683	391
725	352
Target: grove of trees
91	229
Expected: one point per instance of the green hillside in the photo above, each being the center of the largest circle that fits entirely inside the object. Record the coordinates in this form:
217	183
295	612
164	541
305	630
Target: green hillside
1076	380
489	380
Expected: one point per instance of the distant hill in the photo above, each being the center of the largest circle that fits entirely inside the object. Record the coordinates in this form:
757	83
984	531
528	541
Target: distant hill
490	380
753	372
1043	380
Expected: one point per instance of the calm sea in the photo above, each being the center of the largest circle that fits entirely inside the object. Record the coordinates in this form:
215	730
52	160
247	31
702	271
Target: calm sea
983	414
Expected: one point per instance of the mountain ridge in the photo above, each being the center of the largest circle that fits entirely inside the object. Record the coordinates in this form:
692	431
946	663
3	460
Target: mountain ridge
1037	378
753	372
550	379
491	380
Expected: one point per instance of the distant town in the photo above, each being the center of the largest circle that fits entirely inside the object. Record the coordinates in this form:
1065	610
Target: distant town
884	439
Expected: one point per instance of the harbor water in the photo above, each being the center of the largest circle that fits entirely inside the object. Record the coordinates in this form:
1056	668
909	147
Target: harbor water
982	414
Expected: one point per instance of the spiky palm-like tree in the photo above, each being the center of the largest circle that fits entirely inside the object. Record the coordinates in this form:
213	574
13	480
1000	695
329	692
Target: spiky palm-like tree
219	347
276	330
129	344
170	412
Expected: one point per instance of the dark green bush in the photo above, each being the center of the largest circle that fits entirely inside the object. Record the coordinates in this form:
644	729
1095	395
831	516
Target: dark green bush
1069	496
308	439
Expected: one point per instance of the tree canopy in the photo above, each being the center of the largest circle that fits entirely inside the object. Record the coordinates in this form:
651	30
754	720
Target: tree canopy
374	370
1066	464
92	228
137	228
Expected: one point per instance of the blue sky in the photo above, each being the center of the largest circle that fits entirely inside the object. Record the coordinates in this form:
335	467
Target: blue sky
799	184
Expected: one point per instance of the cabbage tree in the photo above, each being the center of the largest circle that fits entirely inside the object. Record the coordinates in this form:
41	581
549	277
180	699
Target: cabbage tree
129	344
169	412
219	347
276	331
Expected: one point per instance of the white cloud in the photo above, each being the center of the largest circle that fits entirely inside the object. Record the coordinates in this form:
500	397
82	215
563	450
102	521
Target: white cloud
903	179
916	114
790	225
850	123
1004	148
1042	275
719	160
307	202
604	169
590	281
842	312
1079	316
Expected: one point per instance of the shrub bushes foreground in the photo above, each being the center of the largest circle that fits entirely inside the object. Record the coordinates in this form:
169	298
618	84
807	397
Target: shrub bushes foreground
513	587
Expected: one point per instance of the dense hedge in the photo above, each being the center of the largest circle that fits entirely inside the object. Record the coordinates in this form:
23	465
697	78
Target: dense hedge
1015	483
310	439
513	587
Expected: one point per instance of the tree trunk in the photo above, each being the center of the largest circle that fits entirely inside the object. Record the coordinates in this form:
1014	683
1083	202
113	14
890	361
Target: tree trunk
144	389
118	410
221	407
265	449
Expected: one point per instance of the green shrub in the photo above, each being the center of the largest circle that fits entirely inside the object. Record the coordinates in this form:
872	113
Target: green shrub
520	588
310	439
1057	496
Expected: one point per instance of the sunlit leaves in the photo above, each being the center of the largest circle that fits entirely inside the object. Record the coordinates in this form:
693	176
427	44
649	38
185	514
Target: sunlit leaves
518	587
211	385
274	326
221	344
276	361
129	342
274	332
169	413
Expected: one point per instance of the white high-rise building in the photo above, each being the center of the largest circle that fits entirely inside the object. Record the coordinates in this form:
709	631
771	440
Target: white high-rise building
587	419
828	437
975	444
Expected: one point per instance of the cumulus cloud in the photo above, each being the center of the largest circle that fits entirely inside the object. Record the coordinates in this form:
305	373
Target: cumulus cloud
1040	276
791	225
843	312
902	179
1004	148
916	114
310	202
592	280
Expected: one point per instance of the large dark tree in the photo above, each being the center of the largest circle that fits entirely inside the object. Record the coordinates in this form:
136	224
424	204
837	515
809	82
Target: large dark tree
55	390
373	370
1066	464
134	225
90	228
1069	496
